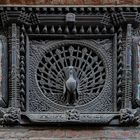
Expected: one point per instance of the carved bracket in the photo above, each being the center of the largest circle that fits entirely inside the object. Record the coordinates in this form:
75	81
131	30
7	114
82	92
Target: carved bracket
129	117
10	116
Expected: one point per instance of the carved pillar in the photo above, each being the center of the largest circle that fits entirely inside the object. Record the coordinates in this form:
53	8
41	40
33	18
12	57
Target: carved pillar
22	68
128	68
119	69
14	63
137	94
136	68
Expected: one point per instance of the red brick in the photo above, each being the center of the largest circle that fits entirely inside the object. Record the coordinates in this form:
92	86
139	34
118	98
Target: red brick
110	2
126	2
84	133
4	1
48	133
79	2
78	133
58	133
41	133
17	1
39	2
94	2
136	1
67	2
122	134
29	1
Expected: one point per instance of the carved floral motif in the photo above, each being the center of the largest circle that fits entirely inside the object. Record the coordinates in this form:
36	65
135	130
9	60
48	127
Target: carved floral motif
72	114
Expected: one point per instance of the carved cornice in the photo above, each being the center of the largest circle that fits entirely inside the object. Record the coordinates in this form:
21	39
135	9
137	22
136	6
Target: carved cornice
89	15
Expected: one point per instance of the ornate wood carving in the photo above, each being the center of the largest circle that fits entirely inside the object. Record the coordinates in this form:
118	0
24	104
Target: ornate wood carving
4	72
70	64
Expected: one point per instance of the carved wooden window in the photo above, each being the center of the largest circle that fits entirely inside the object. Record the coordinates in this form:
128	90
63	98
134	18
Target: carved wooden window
70	65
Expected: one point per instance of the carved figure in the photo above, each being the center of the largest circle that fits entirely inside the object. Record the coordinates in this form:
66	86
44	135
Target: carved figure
129	116
10	115
70	87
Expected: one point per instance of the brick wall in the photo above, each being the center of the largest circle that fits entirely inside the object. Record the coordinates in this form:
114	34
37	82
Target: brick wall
94	2
66	133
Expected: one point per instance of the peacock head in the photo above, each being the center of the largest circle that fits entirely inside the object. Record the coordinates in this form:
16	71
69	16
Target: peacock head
71	70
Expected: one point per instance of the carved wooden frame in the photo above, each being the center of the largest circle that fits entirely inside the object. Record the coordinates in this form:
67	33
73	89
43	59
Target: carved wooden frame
4	96
21	24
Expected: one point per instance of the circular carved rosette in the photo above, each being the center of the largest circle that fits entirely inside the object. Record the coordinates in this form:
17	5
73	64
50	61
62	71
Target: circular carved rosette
71	74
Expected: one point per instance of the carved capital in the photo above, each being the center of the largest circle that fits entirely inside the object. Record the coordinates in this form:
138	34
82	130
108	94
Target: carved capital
129	117
10	115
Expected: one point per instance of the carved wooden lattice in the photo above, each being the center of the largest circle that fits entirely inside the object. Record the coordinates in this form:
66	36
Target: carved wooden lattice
70	64
88	71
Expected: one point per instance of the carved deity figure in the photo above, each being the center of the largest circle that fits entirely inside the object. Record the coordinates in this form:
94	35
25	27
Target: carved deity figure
70	90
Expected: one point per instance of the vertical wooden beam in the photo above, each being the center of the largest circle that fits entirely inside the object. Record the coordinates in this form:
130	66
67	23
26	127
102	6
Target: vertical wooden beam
14	63
115	72
128	68
136	70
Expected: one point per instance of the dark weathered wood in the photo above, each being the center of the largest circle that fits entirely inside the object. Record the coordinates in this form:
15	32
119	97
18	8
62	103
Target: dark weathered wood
4	70
70	65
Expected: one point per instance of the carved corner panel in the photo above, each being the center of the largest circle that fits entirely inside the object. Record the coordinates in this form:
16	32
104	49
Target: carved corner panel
70	65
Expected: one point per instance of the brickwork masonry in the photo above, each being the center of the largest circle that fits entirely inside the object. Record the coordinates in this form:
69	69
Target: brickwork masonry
69	133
